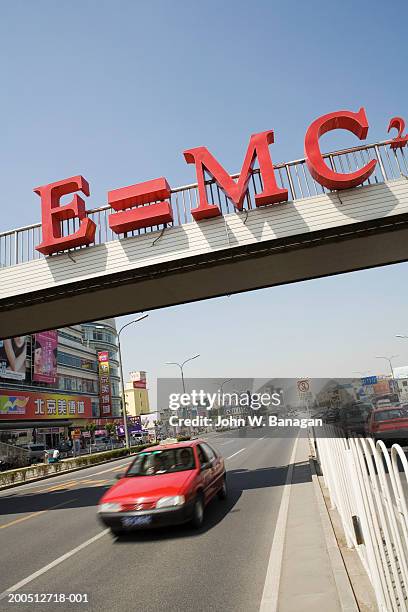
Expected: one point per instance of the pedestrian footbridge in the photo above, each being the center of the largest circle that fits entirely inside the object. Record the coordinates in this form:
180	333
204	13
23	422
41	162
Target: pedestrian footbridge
316	233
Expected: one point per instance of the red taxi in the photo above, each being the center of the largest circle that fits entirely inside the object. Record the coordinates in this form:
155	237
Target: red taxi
390	424
165	485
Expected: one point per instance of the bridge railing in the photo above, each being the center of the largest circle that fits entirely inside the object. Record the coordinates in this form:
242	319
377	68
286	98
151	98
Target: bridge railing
368	485
18	245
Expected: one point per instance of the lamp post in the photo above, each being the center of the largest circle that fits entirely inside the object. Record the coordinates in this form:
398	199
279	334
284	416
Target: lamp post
221	408
121	377
389	359
181	366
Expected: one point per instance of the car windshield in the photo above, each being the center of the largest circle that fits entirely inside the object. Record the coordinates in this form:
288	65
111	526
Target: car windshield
387	415
358	413
154	463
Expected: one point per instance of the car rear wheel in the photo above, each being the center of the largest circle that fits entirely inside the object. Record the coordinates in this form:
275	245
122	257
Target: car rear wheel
198	512
223	492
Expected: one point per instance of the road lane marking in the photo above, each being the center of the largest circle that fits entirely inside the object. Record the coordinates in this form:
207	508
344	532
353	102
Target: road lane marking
56	487
270	595
34	487
234	454
46	568
34	514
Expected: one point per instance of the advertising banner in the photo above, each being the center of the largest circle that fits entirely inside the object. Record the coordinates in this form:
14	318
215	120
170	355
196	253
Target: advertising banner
105	396
382	387
45	357
27	405
13	353
138	379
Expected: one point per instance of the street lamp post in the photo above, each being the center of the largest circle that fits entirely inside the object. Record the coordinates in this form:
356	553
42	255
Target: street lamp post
121	377
221	395
181	366
389	359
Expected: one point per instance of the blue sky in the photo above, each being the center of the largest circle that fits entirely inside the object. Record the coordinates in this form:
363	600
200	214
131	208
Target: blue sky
117	90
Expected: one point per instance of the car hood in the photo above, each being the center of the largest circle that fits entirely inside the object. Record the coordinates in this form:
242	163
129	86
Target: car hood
149	487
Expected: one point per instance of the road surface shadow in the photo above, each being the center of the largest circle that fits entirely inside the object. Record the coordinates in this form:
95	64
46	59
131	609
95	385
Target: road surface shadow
86	496
238	481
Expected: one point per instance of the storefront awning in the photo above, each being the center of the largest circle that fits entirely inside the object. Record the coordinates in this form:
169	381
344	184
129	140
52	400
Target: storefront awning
34	424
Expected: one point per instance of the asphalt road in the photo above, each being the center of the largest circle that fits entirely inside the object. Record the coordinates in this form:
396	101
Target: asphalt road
221	567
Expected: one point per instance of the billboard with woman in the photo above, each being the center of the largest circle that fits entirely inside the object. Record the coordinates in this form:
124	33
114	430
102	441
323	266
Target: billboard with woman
13	353
45	357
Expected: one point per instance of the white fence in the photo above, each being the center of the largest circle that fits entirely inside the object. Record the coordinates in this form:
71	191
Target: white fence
368	484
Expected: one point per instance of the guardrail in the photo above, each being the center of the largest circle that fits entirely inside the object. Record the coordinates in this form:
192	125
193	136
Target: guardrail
18	245
368	484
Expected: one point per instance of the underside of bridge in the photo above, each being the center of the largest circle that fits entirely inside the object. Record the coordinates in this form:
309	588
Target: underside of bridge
312	255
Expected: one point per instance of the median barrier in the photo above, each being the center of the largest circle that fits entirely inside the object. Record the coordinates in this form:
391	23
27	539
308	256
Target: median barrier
40	471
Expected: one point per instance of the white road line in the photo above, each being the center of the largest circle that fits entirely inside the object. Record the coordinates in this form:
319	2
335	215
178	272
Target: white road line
39	485
46	568
270	595
231	456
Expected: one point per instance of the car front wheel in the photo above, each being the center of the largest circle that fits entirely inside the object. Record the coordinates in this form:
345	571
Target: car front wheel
198	512
222	493
116	532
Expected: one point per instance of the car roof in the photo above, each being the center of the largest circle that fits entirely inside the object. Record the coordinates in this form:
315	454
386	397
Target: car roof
186	444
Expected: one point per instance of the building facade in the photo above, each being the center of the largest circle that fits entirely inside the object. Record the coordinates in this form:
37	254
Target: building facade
50	383
137	394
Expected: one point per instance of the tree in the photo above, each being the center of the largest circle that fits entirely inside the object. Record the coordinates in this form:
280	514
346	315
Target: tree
91	427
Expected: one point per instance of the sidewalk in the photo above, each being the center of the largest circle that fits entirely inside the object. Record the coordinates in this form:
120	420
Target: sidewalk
313	576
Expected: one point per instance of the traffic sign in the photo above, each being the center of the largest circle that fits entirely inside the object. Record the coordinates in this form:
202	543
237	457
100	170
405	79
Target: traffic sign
303	386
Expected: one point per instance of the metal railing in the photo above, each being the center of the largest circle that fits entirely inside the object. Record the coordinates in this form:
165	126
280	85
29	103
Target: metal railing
368	484
18	245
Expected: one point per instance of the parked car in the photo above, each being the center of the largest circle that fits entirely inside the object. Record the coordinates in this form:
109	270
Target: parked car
389	424
36	452
167	484
139	438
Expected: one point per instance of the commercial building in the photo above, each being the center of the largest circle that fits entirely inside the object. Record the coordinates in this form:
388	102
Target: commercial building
137	394
50	383
102	337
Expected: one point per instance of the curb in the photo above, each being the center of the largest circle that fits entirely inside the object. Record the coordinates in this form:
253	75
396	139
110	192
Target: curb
61	473
345	592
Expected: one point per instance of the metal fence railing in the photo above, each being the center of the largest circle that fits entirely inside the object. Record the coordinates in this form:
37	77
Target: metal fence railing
368	484
18	245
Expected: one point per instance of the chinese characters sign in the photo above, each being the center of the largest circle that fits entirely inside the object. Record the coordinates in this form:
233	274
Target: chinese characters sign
105	397
45	357
29	405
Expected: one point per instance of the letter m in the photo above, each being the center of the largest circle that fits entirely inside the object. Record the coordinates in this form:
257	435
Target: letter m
258	148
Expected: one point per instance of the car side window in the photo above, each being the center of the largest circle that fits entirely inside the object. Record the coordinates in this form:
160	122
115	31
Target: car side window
208	452
202	457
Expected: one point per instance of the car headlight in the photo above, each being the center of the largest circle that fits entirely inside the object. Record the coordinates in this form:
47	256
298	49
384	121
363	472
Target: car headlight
109	507
170	502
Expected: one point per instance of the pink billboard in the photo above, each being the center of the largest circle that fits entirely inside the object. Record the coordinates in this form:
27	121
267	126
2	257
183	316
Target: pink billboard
45	357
